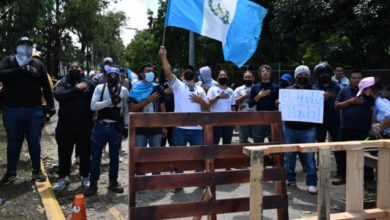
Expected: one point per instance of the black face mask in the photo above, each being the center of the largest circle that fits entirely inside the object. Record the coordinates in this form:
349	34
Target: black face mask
75	75
283	84
112	81
189	75
248	83
223	81
302	81
325	79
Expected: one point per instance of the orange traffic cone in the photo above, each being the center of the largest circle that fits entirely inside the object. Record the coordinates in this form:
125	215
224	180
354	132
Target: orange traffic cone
78	210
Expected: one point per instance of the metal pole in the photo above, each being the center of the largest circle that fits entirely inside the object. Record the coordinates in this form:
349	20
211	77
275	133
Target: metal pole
191	51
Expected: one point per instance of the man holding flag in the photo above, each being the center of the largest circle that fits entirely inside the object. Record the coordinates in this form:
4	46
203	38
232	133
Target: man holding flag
236	24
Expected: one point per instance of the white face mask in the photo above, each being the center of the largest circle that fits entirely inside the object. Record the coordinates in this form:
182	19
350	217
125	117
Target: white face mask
23	54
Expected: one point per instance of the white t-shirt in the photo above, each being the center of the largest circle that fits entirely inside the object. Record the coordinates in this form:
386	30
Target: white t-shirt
241	91
221	105
181	93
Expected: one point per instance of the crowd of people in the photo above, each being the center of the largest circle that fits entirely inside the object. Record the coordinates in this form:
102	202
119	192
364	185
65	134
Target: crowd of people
93	111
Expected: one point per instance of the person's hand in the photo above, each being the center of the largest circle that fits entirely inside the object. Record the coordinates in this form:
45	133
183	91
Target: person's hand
153	97
115	99
31	70
81	86
277	102
356	100
329	95
223	96
162	52
264	93
164	132
196	98
376	130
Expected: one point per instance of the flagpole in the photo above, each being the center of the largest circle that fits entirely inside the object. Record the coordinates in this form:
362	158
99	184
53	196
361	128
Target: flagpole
165	31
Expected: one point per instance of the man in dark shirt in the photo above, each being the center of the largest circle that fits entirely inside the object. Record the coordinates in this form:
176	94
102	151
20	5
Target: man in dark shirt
331	121
74	94
263	96
355	123
24	78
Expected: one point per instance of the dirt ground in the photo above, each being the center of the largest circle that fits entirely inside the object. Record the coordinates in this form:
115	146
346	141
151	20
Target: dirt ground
107	205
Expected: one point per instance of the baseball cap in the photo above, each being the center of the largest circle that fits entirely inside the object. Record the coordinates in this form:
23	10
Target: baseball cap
286	77
111	70
301	69
365	83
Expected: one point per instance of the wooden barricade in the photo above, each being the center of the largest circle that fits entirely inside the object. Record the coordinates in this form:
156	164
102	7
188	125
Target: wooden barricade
213	159
354	184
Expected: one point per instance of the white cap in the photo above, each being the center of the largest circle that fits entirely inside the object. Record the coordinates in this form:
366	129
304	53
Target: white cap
301	69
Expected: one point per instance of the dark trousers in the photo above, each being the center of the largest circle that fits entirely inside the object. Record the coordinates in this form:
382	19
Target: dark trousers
168	138
341	156
322	129
67	136
224	132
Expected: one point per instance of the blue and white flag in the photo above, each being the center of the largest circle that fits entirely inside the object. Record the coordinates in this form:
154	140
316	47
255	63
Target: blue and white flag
235	23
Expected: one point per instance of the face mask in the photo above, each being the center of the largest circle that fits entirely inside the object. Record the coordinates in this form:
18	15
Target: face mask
189	75
283	84
223	81
149	77
303	81
248	83
325	79
106	67
113	80
75	75
23	54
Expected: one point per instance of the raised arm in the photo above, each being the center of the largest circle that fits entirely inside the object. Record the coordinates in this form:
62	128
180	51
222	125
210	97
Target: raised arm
165	64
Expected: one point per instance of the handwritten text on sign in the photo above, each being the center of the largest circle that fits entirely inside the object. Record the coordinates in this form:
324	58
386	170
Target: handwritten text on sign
302	105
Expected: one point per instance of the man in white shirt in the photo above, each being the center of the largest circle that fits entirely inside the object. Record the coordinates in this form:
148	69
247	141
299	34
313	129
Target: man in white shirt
339	76
188	97
242	95
109	99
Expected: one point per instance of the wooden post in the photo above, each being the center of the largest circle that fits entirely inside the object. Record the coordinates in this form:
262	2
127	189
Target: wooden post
323	199
383	180
256	185
355	189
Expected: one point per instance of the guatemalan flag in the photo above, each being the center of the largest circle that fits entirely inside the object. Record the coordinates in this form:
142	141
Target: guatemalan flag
236	23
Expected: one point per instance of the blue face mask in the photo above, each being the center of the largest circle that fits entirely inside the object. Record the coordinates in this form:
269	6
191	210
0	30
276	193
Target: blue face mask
149	76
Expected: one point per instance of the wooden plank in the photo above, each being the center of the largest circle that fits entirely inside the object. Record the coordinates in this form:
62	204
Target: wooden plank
201	208
355	190
370	160
383	179
366	214
256	185
201	179
323	198
314	147
169	119
131	187
162	154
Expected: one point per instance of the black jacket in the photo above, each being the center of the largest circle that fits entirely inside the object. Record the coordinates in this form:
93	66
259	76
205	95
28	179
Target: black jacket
75	105
21	88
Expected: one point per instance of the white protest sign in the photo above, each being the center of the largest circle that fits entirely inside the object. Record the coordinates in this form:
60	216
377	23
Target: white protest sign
302	105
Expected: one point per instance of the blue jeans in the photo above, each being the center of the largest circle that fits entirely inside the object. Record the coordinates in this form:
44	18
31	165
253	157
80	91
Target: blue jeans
20	123
292	136
99	137
142	140
224	132
183	136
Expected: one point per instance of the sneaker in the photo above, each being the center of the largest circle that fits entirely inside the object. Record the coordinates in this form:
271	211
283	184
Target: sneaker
292	183
338	180
312	190
115	187
8	178
92	189
85	182
38	176
61	184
